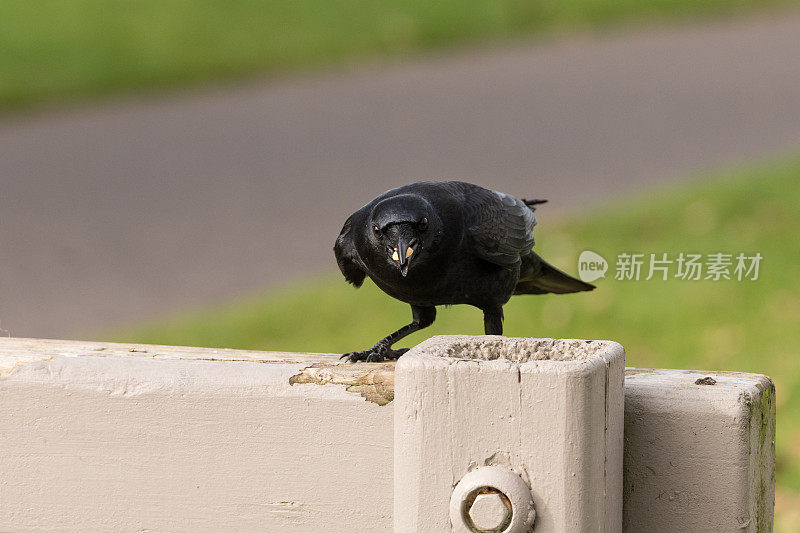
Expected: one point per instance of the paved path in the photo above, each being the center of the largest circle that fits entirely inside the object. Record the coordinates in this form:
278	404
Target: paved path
140	208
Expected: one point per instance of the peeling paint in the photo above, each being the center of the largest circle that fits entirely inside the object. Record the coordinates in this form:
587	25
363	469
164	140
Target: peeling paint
8	368
374	382
286	508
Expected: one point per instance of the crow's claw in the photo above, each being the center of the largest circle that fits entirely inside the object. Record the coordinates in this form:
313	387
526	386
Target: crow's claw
376	354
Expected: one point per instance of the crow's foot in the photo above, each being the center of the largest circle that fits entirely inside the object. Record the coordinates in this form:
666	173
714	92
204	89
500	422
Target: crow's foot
376	354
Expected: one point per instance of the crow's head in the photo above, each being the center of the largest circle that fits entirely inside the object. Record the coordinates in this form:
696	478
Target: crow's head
404	228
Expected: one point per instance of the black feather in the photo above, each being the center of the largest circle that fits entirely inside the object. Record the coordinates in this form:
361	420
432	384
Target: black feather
533	203
347	257
540	277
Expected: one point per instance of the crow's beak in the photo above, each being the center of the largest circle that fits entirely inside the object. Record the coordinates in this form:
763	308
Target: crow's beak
403	253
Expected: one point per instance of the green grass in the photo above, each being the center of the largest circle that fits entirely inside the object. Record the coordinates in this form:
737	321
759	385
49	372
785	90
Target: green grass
67	49
748	326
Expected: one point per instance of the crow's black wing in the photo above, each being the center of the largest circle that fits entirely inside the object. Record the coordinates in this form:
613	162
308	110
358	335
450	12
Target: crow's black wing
347	257
499	225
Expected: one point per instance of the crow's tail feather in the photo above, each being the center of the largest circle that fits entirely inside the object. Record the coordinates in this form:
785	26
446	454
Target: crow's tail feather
533	203
540	277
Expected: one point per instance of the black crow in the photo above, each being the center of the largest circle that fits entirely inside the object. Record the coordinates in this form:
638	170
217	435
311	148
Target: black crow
445	243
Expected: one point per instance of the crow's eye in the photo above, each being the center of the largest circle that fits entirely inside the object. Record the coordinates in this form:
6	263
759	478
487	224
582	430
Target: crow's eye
376	231
423	224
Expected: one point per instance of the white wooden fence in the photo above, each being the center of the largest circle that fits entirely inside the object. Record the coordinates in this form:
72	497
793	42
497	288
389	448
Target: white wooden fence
465	434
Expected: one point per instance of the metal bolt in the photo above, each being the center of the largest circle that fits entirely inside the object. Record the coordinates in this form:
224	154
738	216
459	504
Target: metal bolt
492	499
491	511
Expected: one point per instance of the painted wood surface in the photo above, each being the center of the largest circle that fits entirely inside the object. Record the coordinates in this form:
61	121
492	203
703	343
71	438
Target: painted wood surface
124	437
551	411
110	437
699	451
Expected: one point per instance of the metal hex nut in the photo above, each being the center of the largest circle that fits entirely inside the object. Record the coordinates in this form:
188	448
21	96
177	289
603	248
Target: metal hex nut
490	511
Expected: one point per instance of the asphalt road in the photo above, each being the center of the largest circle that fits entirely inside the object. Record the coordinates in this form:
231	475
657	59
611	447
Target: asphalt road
139	208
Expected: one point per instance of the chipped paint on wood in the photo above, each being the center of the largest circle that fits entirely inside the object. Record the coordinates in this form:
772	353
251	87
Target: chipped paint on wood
375	382
10	364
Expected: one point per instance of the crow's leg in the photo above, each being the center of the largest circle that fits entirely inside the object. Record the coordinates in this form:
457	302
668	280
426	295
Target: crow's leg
493	321
422	317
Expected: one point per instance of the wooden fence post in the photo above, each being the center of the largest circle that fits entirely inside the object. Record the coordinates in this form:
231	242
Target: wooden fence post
469	433
699	451
504	434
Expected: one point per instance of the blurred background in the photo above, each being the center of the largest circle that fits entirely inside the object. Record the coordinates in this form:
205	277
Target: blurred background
176	172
